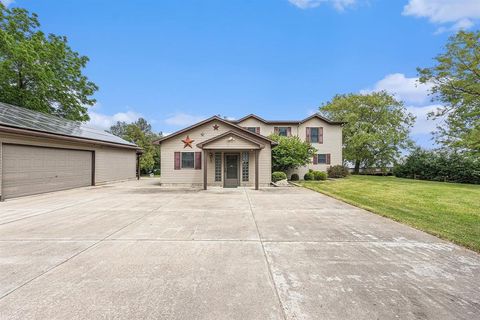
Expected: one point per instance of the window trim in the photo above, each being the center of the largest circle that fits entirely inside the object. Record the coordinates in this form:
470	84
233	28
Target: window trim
181	160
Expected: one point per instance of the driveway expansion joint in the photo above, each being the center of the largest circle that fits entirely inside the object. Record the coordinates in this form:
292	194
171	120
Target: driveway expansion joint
269	269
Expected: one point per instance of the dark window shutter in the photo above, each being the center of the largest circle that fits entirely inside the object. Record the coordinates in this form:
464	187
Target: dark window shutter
308	138
275	130
198	160
257	130
315	159
320	135
177	161
289	131
328	158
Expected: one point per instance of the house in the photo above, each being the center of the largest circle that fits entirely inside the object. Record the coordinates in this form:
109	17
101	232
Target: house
220	152
42	153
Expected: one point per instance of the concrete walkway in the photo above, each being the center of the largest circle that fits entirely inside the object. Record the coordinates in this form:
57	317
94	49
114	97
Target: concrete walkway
134	250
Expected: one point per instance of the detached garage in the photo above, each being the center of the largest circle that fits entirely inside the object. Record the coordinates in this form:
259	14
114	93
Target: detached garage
43	153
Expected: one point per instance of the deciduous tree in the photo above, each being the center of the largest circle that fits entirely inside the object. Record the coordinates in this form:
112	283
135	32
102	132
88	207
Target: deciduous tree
376	130
140	132
41	72
456	84
290	153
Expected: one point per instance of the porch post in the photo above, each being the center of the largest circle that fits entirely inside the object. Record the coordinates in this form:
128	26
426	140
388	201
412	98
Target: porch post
256	169
205	163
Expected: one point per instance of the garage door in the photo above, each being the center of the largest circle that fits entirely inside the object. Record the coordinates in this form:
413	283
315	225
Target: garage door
31	170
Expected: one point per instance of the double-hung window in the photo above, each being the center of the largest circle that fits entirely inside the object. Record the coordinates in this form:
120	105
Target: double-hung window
188	160
283	131
314	135
253	129
322	159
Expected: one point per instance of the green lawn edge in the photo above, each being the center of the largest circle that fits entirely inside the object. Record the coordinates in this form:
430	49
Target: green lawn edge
465	244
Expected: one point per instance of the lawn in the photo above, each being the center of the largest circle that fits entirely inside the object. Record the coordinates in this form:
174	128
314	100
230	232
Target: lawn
448	210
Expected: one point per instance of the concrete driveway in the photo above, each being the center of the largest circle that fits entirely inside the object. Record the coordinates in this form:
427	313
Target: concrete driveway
137	251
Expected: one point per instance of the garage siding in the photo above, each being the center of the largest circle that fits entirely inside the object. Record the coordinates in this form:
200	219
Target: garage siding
114	165
31	170
111	164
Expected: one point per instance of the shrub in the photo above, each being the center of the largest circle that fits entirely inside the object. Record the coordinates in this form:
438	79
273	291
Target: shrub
290	153
319	175
294	177
337	171
440	166
308	176
278	175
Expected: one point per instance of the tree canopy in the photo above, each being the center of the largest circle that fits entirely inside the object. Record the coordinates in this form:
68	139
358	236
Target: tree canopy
291	152
456	84
41	72
140	132
376	130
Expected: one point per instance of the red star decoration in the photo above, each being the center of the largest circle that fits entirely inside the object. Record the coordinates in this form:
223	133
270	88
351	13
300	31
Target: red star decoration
188	142
215	127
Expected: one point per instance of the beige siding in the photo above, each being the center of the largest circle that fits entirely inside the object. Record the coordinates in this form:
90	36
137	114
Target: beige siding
189	177
103	167
231	142
32	170
265	129
332	140
113	164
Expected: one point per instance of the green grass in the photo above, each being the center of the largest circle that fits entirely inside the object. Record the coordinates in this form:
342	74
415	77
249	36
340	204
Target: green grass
448	210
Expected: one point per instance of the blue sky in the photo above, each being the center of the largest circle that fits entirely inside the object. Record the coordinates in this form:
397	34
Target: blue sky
176	62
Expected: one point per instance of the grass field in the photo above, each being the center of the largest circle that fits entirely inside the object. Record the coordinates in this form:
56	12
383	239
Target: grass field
448	210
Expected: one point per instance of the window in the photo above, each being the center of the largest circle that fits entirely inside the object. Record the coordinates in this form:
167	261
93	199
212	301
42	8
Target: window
322	159
253	129
284	131
244	166
314	135
188	160
218	166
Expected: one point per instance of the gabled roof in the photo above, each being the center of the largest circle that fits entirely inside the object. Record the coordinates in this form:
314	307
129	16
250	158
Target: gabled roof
217	118
316	115
319	116
22	120
231	133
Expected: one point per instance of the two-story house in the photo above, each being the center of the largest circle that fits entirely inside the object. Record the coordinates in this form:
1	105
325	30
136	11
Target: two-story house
219	152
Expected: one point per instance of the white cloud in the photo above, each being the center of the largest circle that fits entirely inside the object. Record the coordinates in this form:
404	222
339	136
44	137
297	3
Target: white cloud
415	95
457	14
339	5
182	119
406	89
7	2
104	121
423	125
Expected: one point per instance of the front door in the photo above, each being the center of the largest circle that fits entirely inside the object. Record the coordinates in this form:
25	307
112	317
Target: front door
231	171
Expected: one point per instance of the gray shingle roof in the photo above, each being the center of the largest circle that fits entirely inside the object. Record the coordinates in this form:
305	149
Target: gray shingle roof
22	118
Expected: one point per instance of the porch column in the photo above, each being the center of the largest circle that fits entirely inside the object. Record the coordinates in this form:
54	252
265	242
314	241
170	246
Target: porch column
205	163
256	169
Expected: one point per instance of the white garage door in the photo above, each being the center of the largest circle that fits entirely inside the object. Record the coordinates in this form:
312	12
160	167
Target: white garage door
31	170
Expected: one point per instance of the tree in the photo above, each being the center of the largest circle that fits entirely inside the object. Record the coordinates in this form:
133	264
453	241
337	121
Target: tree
456	84
290	153
134	134
41	72
140	132
376	130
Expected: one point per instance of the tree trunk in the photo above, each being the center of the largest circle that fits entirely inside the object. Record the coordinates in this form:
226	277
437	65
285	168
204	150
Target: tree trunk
357	167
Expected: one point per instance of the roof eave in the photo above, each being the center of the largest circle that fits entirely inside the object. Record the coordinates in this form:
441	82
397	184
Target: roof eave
36	133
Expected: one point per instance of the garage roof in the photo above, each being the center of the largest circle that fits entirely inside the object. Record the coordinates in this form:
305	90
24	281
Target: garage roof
22	118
